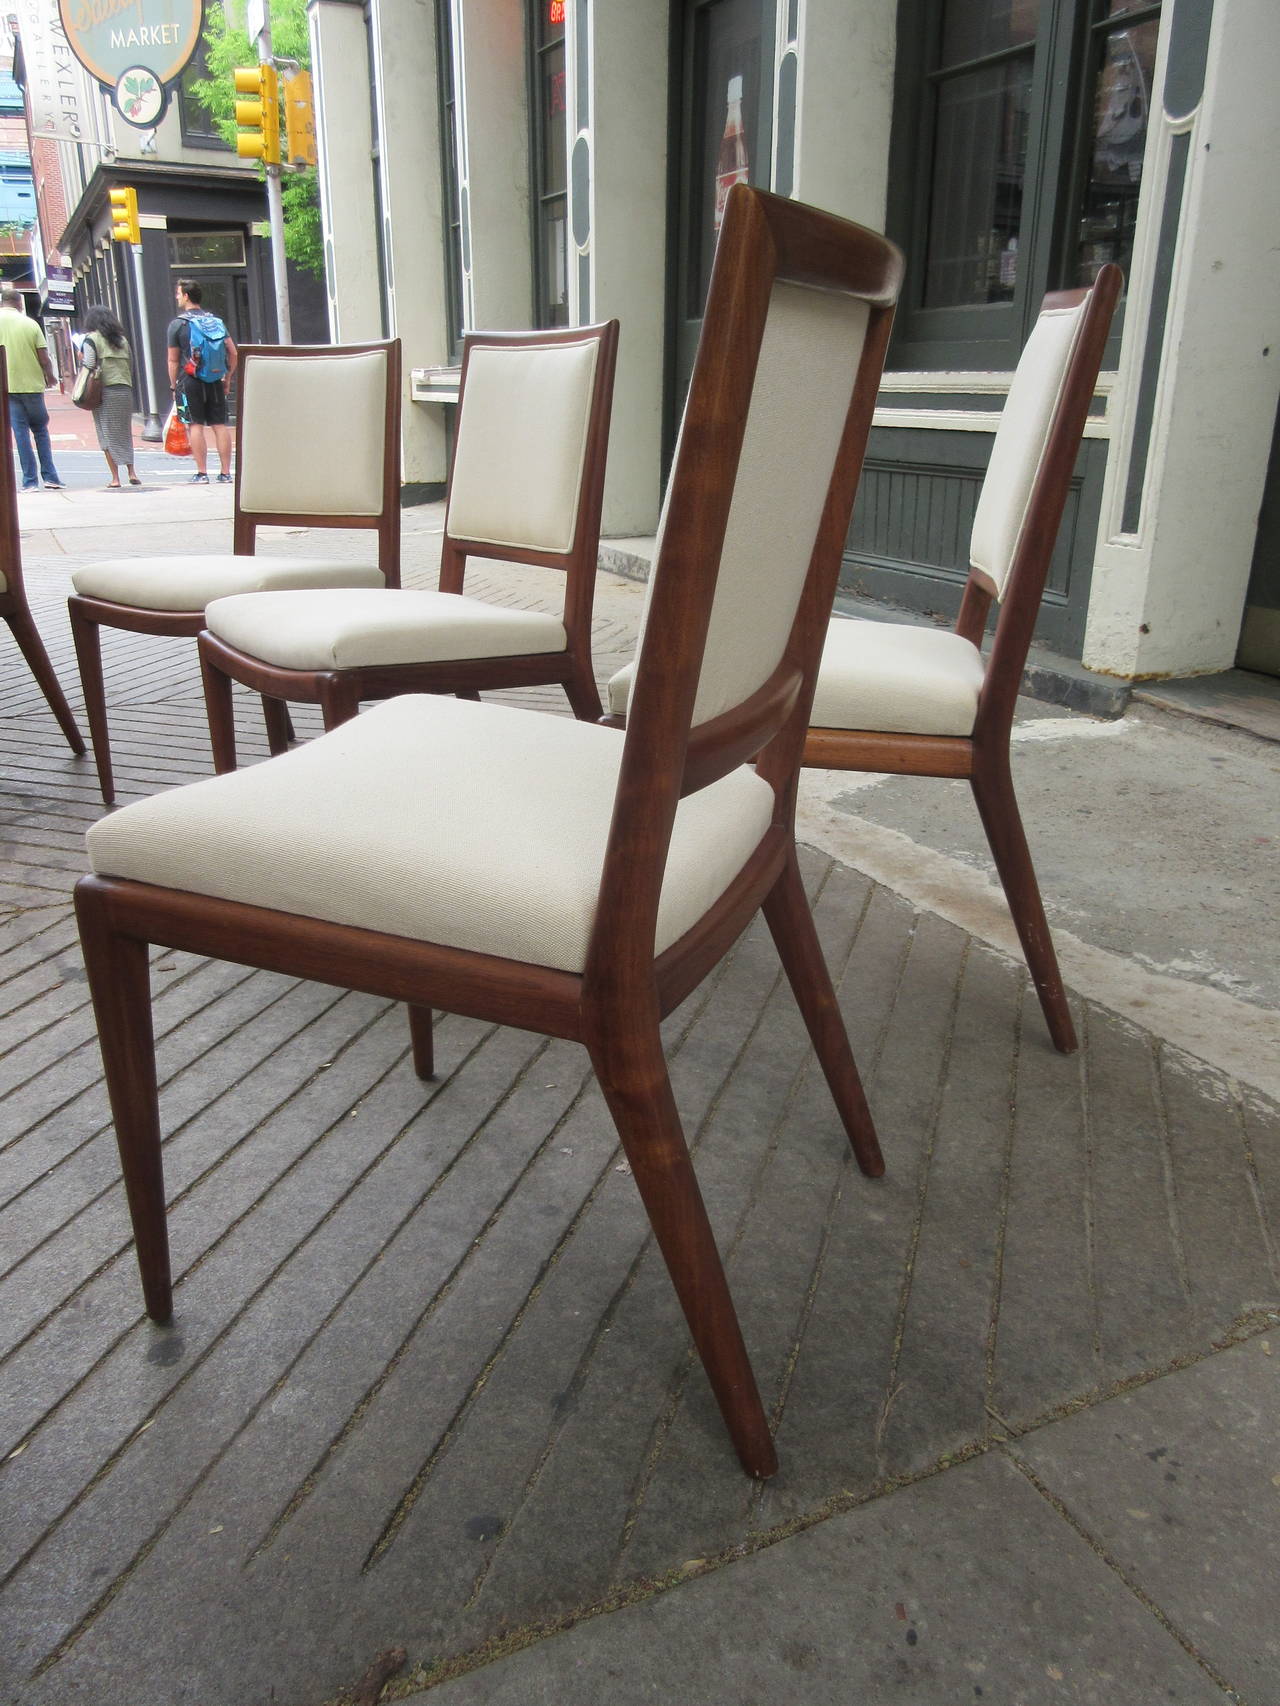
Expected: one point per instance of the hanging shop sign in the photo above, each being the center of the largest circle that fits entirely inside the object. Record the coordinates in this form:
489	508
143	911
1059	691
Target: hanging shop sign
59	94
135	48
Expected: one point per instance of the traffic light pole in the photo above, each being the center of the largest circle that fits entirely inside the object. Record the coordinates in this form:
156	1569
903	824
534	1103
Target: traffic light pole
275	214
151	430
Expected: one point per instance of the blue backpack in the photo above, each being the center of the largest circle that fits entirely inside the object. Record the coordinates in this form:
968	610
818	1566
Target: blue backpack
206	347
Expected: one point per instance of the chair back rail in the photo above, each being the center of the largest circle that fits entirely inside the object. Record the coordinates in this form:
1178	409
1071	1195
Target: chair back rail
569	373
783	388
325	395
1041	517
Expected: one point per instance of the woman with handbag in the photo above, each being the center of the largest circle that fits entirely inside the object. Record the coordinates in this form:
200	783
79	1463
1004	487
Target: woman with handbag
106	352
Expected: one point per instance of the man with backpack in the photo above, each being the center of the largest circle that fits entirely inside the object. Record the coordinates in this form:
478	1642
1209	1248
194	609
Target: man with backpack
202	358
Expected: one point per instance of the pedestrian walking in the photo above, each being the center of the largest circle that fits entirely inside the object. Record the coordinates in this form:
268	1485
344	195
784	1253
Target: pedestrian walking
107	349
30	374
202	358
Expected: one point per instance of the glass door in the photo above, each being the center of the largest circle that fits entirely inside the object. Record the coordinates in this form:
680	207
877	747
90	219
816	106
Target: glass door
725	137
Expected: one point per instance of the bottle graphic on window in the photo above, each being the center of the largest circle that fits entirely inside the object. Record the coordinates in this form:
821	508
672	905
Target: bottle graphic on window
732	167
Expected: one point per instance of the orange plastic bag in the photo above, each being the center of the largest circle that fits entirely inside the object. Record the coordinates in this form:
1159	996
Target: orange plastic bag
176	442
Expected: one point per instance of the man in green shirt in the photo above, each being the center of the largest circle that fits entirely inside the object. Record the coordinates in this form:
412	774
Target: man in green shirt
30	371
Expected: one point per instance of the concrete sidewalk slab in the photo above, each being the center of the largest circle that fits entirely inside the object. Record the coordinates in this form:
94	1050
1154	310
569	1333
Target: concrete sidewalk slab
966	1587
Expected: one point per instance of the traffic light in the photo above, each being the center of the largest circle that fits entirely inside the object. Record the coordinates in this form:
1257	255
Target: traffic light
299	120
259	116
124	216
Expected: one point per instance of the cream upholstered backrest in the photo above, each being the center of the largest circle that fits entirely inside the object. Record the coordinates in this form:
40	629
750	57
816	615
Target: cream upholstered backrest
1020	441
804	382
521	444
312	433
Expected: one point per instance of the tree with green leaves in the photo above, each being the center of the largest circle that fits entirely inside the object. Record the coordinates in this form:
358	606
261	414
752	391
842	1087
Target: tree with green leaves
227	45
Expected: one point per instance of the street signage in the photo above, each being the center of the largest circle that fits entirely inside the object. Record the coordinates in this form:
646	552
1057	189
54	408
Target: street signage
136	48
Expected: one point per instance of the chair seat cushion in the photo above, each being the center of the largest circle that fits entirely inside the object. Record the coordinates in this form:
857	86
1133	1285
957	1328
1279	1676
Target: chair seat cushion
883	676
897	679
353	629
476	826
188	583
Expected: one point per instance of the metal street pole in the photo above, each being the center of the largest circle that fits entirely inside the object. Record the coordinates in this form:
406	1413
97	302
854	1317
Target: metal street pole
151	430
275	210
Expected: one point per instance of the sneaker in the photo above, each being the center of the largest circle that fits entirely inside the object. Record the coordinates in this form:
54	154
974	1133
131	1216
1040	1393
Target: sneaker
31	485
224	479
54	486
199	479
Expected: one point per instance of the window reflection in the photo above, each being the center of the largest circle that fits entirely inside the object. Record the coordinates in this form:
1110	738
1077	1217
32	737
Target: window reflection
1125	57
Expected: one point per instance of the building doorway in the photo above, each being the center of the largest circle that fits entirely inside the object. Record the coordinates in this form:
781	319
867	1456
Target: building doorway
725	117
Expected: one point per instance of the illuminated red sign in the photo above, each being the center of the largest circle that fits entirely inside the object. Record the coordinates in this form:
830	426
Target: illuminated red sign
555	11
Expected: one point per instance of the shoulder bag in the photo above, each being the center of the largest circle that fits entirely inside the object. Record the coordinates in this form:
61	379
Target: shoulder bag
86	393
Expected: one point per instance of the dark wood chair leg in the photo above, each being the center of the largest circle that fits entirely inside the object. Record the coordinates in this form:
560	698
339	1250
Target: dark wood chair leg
786	911
275	713
219	712
120	984
997	805
32	648
583	694
339	701
88	643
633	1076
420	1037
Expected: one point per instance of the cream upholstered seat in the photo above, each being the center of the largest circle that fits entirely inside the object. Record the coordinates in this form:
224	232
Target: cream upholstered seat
888	675
355	630
553	874
13	596
318	445
189	583
508	814
526	483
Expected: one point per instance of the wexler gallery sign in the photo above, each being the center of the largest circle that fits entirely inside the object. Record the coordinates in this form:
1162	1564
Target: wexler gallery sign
136	48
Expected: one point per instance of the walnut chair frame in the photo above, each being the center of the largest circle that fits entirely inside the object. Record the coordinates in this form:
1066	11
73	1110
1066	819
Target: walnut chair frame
982	757
13	594
91	614
339	692
777	263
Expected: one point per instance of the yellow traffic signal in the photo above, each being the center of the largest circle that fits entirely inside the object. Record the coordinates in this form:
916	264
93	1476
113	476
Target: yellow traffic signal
299	120
259	116
124	216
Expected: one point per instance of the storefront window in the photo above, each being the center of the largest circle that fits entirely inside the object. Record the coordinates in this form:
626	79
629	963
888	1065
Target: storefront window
1020	128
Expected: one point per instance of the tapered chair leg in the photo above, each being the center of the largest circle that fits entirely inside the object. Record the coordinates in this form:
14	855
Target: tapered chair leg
220	712
422	1042
32	648
88	643
584	695
119	982
338	701
790	921
275	714
633	1076
997	805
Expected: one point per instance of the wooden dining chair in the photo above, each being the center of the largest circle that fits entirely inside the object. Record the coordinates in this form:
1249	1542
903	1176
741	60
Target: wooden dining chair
912	700
13	594
526	484
923	701
550	873
318	445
